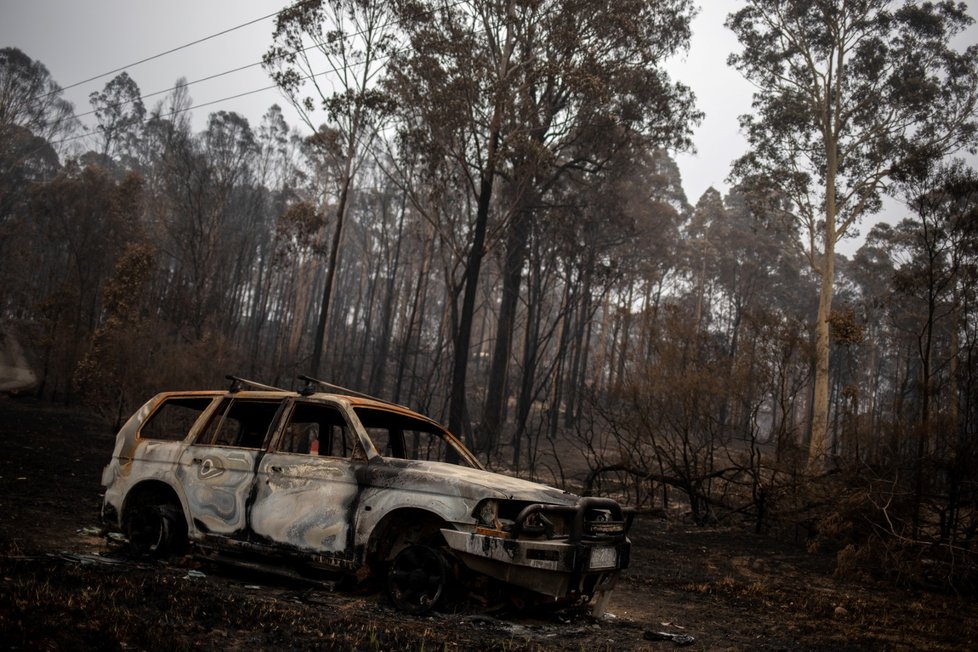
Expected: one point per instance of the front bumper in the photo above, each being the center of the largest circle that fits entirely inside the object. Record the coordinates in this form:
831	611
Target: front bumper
586	559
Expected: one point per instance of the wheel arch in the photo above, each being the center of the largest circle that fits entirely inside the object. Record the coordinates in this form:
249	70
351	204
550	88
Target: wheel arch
147	491
400	528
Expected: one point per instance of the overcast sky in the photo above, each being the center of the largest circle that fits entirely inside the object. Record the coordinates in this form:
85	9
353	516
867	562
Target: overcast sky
79	39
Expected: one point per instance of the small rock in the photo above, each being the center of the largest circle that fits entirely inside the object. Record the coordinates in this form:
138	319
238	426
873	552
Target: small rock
841	612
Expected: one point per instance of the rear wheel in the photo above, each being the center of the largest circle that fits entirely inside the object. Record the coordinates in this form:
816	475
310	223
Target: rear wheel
418	579
157	530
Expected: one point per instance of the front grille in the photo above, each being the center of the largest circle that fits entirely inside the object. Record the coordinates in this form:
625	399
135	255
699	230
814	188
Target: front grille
591	519
606	528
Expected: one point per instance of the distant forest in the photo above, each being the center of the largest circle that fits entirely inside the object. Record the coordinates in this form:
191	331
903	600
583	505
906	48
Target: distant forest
479	217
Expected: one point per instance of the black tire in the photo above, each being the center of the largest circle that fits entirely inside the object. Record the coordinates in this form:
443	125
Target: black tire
418	579
157	530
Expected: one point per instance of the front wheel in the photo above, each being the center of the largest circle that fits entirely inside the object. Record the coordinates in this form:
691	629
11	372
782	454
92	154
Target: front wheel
156	530
418	579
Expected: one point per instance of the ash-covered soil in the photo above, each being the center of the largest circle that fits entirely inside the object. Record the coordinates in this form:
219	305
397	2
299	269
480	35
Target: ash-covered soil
62	586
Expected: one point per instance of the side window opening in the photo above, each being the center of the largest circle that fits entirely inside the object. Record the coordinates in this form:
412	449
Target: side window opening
388	441
241	423
317	429
173	419
404	437
424	445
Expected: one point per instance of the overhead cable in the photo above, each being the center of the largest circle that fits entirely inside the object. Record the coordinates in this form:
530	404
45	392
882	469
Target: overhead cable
163	54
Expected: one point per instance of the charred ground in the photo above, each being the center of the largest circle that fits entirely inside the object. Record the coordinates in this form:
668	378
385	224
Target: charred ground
64	587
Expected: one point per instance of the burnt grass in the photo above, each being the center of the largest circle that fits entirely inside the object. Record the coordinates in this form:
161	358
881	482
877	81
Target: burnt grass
64	586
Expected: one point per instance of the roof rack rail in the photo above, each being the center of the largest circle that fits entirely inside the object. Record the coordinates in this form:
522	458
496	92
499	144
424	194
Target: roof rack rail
310	381
238	383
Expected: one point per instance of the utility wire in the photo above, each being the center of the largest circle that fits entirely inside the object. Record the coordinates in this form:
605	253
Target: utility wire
217	75
202	79
218	101
222	74
163	54
179	111
172	88
201	40
208	78
227	72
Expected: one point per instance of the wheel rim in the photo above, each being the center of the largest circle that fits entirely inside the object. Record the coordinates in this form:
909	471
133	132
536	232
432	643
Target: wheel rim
417	579
147	530
157	530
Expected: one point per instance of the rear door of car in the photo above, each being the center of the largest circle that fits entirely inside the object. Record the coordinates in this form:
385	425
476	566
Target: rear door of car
306	490
217	470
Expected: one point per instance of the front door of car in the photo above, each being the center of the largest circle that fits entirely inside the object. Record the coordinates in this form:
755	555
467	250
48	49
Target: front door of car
217	471
306	489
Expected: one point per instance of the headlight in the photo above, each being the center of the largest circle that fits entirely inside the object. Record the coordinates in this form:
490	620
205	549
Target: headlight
487	513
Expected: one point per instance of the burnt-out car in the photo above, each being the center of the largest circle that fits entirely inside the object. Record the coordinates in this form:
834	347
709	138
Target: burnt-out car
314	482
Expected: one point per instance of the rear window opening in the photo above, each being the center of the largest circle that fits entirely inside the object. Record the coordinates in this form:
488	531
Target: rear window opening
174	419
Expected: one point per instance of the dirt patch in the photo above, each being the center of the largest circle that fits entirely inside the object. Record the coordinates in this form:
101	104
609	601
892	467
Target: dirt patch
63	586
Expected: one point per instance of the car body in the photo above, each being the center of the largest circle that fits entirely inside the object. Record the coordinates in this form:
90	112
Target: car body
332	482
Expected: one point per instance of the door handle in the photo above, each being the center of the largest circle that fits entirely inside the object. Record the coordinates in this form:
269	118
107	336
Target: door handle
208	469
275	469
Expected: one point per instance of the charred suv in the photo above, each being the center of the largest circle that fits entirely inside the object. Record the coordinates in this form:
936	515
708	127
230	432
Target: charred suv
328	481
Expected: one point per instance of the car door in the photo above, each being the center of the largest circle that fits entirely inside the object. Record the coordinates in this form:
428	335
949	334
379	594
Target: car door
217	471
306	489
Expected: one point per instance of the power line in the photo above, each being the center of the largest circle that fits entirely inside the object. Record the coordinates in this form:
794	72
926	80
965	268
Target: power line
208	78
216	75
218	101
185	110
201	40
221	74
163	54
173	88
